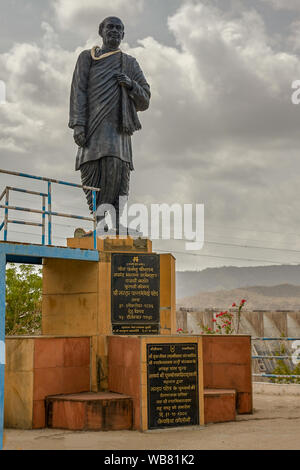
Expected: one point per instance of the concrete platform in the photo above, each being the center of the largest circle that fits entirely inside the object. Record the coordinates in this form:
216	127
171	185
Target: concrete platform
275	425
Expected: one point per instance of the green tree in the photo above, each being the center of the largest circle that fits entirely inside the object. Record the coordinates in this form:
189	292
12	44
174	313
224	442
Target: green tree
23	300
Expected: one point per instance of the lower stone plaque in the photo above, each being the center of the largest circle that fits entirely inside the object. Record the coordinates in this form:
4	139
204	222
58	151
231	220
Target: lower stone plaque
172	385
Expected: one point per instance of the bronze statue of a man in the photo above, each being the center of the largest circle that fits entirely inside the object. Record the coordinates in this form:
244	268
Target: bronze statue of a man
108	89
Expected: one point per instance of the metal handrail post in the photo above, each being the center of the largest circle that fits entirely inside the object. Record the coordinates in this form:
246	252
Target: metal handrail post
43	220
3	194
2	342
95	219
49	214
6	214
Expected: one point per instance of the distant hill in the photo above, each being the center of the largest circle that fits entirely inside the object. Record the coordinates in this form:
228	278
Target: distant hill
281	297
189	283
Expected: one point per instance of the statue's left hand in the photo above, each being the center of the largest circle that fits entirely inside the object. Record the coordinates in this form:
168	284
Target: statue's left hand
124	80
79	135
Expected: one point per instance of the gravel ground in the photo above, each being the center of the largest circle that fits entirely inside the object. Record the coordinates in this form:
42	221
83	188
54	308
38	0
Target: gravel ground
275	424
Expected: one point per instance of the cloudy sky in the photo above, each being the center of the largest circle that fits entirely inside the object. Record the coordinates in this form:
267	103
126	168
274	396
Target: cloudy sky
221	129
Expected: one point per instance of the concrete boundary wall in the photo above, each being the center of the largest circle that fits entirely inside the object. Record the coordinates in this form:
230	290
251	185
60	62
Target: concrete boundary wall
261	323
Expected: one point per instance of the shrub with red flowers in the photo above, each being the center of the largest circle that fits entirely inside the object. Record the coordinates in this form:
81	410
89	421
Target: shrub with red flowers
180	331
238	314
223	324
226	323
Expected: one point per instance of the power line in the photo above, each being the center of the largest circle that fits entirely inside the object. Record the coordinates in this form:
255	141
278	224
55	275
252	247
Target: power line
250	246
253	230
228	257
234	245
192	254
208	241
207	224
215	225
185	253
198	254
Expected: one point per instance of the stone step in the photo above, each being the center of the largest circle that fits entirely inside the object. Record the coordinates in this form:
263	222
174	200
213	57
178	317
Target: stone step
219	405
90	412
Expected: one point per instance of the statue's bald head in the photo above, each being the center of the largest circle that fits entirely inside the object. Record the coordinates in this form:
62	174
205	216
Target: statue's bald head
111	29
110	19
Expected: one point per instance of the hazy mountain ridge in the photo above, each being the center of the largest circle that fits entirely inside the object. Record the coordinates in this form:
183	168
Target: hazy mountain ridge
190	283
281	297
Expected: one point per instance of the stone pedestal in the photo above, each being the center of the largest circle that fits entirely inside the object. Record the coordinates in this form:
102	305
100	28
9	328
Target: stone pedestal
130	291
113	331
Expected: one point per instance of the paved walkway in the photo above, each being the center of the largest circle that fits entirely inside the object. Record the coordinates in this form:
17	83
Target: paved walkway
275	424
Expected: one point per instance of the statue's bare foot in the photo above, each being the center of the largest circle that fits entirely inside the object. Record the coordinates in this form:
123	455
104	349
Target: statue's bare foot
88	234
81	233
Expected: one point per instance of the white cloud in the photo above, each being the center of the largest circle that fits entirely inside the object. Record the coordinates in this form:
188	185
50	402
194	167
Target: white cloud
221	128
34	118
221	123
10	145
223	87
292	5
293	38
75	14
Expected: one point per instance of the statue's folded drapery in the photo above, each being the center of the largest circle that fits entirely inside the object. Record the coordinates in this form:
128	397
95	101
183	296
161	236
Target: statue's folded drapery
107	111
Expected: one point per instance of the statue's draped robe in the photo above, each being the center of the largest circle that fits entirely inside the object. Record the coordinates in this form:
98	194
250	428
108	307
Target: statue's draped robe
97	103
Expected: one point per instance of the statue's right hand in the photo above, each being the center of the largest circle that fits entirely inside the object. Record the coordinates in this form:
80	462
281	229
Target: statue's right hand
79	136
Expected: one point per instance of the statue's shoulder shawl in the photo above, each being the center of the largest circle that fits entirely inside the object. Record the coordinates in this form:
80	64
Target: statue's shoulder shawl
85	56
129	58
131	66
85	53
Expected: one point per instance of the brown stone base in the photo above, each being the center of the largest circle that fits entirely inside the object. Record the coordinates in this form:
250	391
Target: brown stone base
90	412
219	405
38	366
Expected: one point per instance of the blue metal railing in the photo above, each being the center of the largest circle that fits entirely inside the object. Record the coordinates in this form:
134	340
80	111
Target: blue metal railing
45	196
281	338
274	356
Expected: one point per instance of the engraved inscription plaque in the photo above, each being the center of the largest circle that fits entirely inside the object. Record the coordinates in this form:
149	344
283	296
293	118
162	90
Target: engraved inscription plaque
172	385
135	302
135	329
